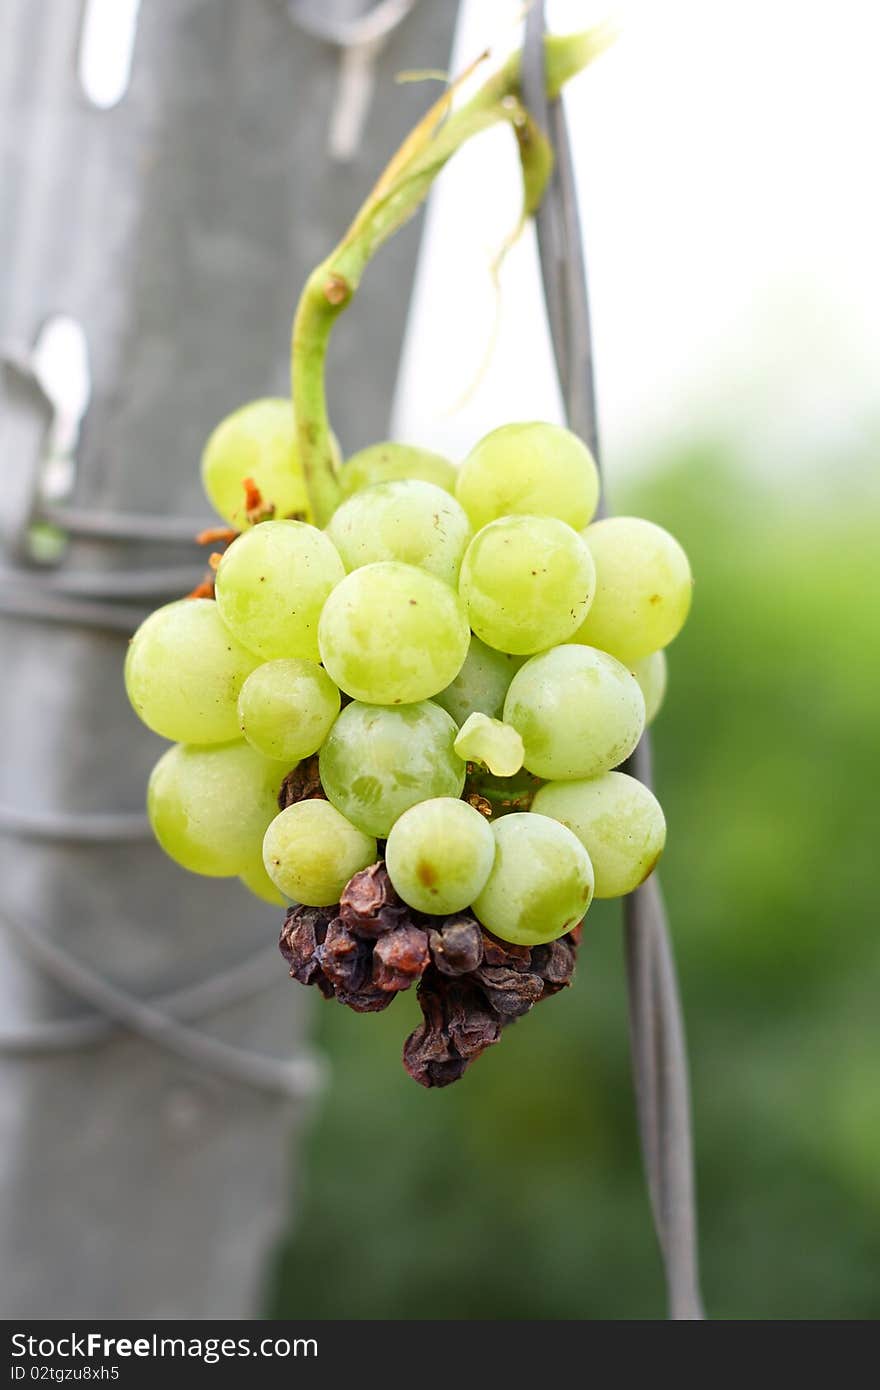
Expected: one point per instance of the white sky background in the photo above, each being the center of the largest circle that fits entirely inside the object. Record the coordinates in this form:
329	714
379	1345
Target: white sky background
727	160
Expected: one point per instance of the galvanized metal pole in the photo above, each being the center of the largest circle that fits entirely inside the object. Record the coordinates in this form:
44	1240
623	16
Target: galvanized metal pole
145	1171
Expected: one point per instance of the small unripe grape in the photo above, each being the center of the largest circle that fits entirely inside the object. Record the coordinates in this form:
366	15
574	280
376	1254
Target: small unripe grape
209	807
385	462
379	760
579	711
439	855
643	588
286	708
481	684
618	821
412	521
541	882
391	634
271	585
527	583
257	441
534	469
184	670
311	851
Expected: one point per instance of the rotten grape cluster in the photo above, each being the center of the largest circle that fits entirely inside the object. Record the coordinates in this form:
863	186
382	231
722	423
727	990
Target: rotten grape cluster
436	689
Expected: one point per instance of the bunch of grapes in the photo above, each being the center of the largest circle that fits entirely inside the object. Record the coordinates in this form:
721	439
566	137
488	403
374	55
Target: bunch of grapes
436	690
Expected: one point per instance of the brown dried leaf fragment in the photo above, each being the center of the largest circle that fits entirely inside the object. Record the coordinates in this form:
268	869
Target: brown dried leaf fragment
369	905
301	784
555	963
456	946
458	1025
302	934
344	959
510	992
347	962
400	957
505	953
370	999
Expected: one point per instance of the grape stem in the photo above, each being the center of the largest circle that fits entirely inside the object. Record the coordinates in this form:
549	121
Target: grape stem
399	193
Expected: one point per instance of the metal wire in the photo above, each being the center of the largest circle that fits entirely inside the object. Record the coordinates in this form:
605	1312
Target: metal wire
159	582
368	28
126	526
295	1077
91	599
659	1054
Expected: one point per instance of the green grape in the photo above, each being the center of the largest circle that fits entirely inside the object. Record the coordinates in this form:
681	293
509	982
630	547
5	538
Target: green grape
257	881
618	821
391	634
379	760
311	851
481	684
580	712
527	583
257	441
184	670
409	520
533	469
652	675
271	585
643	588
385	462
286	708
541	882
209	807
497	746
439	855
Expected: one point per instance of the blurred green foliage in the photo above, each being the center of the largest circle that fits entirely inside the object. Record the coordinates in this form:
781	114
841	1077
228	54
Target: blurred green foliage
518	1192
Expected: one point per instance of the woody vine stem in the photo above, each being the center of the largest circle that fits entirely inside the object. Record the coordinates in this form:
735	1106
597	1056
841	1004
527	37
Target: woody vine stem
399	193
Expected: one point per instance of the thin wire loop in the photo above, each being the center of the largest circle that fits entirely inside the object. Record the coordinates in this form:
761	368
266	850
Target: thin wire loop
294	1077
188	1004
660	1070
76	827
159	582
127	526
376	24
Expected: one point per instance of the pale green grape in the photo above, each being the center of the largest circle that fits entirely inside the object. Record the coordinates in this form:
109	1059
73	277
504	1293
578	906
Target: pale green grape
184	670
257	881
643	588
286	708
409	520
527	583
533	469
271	585
391	634
541	882
580	712
256	441
378	761
618	821
652	675
209	807
488	741
481	684
382	463
311	851
439	855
